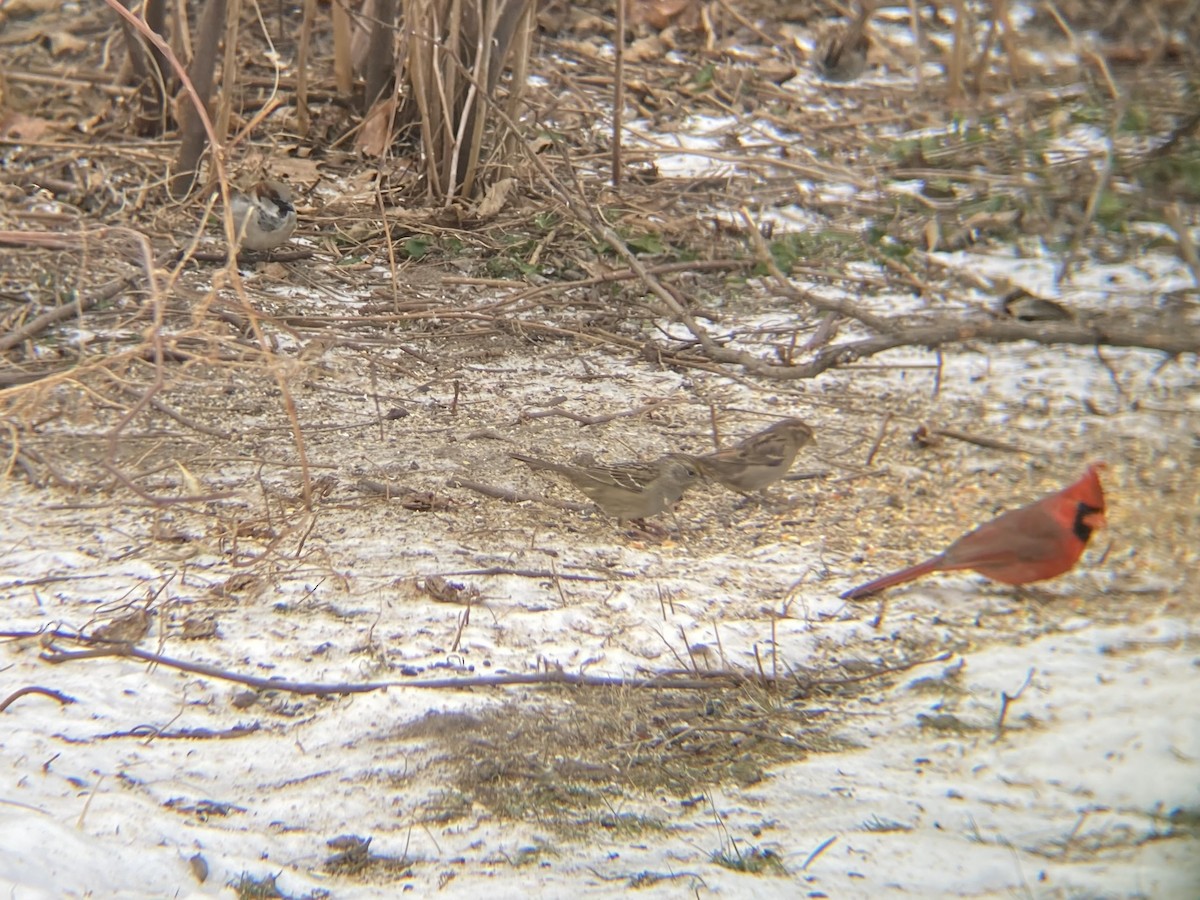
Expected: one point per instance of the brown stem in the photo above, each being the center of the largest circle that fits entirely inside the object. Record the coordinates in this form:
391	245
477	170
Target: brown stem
193	132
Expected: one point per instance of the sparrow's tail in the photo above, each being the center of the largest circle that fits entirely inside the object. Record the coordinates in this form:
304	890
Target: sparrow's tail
534	463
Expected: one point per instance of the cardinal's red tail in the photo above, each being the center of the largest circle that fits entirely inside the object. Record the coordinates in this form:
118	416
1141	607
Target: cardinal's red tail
887	581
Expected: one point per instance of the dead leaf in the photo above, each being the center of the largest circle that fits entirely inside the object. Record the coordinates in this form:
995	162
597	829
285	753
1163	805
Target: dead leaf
287	164
644	50
375	134
923	437
993	221
198	628
191	483
18	127
423	501
445	591
89	124
776	71
63	42
20	9
933	233
495	198
199	867
658	14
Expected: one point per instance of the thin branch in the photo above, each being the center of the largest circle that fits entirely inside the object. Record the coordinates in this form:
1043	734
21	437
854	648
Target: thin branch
62	698
821	848
592	420
1007	700
979	441
511	496
536	573
664	680
879	436
53	316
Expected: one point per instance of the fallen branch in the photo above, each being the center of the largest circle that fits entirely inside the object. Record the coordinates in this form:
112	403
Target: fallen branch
34	689
38	324
892	332
929	436
678	680
1111	330
184	734
525	416
536	573
511	496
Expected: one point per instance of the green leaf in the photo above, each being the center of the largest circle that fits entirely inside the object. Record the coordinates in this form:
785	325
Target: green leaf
646	243
416	247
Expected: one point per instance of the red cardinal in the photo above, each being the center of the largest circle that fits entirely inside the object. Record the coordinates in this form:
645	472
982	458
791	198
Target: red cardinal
1039	541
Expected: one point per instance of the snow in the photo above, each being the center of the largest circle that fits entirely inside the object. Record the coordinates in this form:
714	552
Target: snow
1075	796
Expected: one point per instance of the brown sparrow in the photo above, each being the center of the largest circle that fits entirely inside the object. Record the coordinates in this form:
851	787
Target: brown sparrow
265	217
627	490
842	53
758	461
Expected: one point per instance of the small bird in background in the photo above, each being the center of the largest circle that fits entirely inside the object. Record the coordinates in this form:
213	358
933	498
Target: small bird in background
1034	543
842	53
127	629
263	218
631	491
1023	306
760	460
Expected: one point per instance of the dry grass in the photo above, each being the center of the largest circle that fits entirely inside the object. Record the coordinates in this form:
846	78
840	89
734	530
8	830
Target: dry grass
594	757
455	53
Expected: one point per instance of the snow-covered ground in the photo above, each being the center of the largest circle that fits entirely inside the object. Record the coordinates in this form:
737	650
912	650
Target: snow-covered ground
1091	788
1084	782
